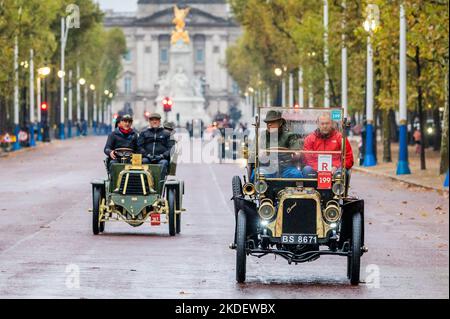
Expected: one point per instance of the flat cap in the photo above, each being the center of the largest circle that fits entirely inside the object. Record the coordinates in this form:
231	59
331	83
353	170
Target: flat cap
154	116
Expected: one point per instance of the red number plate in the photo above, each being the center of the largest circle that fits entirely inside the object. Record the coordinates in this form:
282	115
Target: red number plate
155	219
324	180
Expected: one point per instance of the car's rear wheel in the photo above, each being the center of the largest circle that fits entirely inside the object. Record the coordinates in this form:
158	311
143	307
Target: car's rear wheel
354	261
172	215
241	247
97	225
178	222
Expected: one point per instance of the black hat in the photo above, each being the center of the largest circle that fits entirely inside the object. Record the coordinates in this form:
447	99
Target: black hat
272	116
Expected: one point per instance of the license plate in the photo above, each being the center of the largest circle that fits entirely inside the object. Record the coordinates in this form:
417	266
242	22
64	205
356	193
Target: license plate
299	239
155	219
324	180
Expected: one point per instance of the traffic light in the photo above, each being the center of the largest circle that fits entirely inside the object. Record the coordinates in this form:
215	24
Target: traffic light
44	122
167	104
44	112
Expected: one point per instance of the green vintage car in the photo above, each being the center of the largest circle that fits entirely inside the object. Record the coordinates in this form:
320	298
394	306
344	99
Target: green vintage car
135	193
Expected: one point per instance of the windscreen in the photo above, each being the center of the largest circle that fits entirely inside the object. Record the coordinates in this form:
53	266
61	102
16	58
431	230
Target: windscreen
298	143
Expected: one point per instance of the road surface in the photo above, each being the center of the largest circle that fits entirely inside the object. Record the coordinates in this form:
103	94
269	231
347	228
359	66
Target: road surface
47	249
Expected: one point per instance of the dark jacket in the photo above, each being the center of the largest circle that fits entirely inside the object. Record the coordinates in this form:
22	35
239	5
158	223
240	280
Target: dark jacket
153	142
117	139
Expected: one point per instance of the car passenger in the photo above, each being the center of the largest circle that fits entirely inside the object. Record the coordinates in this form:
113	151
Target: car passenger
276	130
122	137
325	138
155	143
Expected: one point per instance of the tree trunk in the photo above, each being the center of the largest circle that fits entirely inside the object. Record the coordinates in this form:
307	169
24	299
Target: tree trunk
438	131
444	141
387	158
420	105
393	127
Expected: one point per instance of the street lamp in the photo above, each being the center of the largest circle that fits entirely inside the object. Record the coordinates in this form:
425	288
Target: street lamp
278	72
402	165
370	25
95	114
82	81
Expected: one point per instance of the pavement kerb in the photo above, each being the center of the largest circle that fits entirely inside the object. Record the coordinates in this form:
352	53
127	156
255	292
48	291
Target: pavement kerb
38	146
398	179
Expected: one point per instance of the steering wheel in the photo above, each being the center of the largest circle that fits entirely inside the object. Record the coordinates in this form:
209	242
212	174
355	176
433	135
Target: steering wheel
123	154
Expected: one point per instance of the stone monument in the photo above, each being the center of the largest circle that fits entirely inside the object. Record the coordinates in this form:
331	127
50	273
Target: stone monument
180	84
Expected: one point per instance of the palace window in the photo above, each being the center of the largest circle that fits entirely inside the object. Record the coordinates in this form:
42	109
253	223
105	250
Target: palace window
127	84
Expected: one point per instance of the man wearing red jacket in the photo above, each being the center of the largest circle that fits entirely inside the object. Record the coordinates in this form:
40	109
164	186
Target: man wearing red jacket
325	138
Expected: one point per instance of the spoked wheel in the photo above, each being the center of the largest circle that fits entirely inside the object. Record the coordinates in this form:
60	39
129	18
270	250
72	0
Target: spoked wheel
354	261
237	191
241	245
172	215
97	225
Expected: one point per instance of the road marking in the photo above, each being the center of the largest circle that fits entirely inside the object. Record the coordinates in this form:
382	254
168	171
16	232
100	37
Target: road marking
219	190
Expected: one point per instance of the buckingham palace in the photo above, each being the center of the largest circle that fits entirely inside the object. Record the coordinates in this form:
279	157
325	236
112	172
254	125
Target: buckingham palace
147	63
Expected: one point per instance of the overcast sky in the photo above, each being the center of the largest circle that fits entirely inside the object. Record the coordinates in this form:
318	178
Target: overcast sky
118	5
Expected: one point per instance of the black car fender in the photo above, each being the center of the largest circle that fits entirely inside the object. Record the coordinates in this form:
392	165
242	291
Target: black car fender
250	210
350	207
99	183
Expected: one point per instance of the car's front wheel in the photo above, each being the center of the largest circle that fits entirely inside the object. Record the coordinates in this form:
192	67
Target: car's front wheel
354	260
97	225
241	247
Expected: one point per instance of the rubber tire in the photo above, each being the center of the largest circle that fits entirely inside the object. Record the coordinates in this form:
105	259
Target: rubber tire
178	223
237	190
354	263
241	245
172	215
97	227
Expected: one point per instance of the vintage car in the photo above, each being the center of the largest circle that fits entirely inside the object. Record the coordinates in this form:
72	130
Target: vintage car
135	193
297	217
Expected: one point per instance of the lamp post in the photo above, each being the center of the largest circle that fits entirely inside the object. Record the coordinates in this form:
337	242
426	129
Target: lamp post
16	145
69	116
325	55
32	110
300	88
78	101
94	112
43	112
42	74
403	165
279	72
111	95
344	80
311	54
370	25
83	125
291	90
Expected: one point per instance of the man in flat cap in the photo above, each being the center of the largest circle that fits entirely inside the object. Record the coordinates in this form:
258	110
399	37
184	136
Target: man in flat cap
155	143
278	138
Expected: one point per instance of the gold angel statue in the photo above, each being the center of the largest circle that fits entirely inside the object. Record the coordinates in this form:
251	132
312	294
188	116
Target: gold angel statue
179	21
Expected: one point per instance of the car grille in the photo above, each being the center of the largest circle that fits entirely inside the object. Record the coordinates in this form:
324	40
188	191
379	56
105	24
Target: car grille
134	184
299	216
